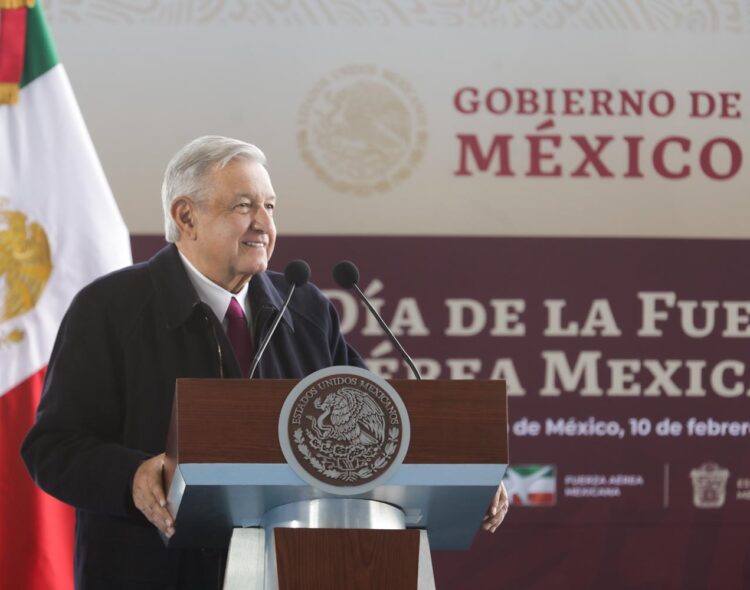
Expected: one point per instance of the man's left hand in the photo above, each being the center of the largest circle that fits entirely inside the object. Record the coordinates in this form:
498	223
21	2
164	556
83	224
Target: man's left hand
497	510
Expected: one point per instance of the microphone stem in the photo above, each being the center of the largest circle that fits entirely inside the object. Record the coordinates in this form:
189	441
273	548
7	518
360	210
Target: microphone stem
387	330
269	334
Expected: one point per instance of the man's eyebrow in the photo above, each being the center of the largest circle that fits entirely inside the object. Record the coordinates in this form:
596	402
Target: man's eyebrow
252	196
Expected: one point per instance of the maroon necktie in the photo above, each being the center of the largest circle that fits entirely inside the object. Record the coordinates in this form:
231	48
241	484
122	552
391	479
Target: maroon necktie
239	335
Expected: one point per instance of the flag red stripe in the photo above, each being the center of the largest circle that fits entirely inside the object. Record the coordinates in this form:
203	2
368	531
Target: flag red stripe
12	44
36	531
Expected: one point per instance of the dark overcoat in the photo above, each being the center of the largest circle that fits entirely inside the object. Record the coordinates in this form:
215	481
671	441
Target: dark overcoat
108	396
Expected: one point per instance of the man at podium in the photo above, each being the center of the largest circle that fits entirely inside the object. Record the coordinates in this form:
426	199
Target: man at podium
198	308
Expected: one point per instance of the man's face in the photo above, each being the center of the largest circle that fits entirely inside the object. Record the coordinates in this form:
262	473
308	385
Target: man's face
234	228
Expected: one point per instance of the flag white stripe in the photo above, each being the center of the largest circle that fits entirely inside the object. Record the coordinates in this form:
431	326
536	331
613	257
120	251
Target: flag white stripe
50	172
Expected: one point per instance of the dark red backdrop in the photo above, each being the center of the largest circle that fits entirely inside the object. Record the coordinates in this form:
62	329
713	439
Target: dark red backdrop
649	536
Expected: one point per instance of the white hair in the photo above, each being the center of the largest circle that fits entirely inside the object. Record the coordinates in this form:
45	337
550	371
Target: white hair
186	172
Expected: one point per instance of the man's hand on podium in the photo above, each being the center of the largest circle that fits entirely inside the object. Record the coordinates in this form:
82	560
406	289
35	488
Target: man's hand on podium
497	510
148	494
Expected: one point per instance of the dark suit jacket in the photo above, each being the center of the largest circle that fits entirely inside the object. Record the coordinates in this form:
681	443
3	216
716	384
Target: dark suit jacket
108	396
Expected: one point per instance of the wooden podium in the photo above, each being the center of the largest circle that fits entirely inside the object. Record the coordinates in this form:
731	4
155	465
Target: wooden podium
225	472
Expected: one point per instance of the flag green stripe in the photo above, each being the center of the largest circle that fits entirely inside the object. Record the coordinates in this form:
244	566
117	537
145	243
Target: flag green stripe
526	470
41	55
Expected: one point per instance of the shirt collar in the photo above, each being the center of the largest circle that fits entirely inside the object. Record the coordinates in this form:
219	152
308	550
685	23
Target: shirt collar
216	297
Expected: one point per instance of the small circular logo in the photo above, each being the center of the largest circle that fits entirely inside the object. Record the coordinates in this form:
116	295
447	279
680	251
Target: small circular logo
362	129
344	430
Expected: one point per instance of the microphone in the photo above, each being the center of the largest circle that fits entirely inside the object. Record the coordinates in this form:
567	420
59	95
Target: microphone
346	274
296	273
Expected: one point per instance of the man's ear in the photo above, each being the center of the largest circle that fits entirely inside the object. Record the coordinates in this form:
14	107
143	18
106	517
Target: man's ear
183	211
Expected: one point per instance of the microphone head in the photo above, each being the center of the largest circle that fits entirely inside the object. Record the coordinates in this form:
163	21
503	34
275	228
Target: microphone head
346	274
297	272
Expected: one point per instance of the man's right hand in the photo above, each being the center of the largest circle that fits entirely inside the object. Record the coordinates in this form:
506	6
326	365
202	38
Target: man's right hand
148	494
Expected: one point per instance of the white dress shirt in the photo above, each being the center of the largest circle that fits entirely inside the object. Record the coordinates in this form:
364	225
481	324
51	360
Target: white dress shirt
216	297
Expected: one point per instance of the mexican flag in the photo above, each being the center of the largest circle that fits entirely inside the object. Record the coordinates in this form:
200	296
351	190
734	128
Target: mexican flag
531	485
59	229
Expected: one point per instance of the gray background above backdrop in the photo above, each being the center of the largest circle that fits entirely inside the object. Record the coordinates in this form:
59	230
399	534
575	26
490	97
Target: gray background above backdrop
149	76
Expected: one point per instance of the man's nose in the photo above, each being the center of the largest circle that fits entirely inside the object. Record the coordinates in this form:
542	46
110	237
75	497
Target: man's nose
261	219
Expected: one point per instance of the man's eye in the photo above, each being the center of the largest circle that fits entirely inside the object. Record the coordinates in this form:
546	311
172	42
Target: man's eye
242	207
270	206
